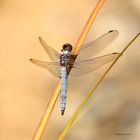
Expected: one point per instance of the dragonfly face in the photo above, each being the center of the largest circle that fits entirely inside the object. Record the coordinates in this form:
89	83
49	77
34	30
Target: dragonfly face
67	46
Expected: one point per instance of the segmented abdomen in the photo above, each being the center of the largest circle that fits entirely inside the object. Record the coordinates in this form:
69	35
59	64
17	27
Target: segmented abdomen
63	92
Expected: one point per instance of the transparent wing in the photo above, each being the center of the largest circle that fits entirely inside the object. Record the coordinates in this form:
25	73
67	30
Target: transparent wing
53	54
52	67
92	48
89	65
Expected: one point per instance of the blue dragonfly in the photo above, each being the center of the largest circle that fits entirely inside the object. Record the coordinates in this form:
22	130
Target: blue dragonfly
66	63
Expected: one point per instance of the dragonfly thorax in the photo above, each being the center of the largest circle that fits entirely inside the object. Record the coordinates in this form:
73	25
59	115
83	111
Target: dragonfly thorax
65	55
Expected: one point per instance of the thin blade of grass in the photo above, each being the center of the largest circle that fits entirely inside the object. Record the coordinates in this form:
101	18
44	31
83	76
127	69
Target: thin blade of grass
74	116
88	26
45	118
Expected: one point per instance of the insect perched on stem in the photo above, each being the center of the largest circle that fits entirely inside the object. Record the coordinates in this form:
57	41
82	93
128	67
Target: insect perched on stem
66	63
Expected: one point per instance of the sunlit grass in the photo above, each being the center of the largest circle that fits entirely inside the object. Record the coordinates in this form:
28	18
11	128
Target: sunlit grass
92	91
45	118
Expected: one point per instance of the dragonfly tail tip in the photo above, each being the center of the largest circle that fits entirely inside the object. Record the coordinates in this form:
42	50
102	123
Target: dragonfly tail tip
62	112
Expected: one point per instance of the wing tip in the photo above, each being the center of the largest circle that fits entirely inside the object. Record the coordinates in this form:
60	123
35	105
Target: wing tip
110	31
115	53
44	44
39	38
31	59
113	31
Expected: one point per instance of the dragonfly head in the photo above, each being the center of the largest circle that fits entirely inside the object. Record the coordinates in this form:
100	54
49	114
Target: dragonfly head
67	46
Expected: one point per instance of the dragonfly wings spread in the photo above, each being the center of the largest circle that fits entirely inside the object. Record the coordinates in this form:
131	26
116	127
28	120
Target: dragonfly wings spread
92	48
89	65
84	63
53	67
52	53
79	68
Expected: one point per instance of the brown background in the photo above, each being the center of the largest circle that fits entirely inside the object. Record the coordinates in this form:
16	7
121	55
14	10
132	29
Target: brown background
25	89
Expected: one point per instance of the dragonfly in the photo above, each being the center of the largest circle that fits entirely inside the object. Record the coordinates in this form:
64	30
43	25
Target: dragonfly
66	63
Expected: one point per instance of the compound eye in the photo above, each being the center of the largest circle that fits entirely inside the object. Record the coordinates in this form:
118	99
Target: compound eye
67	46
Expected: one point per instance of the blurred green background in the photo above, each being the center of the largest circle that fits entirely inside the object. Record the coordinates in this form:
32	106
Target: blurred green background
25	89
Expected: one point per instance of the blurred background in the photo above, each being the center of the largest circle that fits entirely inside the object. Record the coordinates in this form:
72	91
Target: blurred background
113	113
